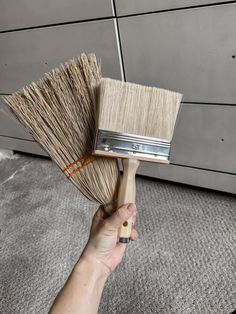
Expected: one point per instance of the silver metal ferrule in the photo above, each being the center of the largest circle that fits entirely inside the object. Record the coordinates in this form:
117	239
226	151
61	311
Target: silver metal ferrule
129	144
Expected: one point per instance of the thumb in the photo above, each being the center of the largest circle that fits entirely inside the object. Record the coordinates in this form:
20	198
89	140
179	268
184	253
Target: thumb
121	215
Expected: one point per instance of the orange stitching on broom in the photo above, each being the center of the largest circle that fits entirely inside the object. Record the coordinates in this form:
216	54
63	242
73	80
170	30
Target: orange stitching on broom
84	161
85	157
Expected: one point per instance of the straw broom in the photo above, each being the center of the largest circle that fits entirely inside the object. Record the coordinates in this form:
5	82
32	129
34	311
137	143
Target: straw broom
59	111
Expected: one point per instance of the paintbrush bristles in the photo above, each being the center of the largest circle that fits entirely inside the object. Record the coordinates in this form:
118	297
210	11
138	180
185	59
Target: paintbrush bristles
59	111
135	109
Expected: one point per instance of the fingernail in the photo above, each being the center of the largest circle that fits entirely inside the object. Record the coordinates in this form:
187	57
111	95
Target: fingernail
131	207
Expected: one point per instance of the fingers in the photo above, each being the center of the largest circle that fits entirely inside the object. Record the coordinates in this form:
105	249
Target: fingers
100	213
134	235
99	217
121	215
116	220
134	218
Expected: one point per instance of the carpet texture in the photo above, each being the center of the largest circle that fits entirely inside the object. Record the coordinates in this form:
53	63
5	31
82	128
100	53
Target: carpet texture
183	262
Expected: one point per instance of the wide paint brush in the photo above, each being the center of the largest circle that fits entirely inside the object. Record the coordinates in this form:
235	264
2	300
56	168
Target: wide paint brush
135	123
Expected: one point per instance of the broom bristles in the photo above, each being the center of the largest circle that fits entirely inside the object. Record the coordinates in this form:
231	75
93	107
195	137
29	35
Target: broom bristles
59	111
136	109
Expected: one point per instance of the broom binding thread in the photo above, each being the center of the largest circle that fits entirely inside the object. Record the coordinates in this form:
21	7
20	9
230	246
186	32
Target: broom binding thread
81	162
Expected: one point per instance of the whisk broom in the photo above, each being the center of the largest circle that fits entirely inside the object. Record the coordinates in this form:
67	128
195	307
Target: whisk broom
59	111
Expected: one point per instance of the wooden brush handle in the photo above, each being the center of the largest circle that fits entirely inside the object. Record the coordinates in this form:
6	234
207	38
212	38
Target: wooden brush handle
126	194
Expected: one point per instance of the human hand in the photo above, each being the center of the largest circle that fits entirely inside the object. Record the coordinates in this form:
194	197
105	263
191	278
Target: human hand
102	246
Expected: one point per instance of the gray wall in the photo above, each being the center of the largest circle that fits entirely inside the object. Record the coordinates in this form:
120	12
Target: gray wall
184	45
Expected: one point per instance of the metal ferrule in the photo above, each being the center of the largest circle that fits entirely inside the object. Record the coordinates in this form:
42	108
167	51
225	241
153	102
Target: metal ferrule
129	144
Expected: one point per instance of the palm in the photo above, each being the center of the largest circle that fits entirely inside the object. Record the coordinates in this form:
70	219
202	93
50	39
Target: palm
103	244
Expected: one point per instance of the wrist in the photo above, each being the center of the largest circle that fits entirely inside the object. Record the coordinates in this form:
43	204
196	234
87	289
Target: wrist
92	267
83	290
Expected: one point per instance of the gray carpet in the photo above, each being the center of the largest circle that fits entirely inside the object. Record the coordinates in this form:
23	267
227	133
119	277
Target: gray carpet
183	262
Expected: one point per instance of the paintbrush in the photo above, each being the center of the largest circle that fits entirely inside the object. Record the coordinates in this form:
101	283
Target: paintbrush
59	111
136	123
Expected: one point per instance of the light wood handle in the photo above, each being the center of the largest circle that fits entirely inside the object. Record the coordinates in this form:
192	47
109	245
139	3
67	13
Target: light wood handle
127	192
